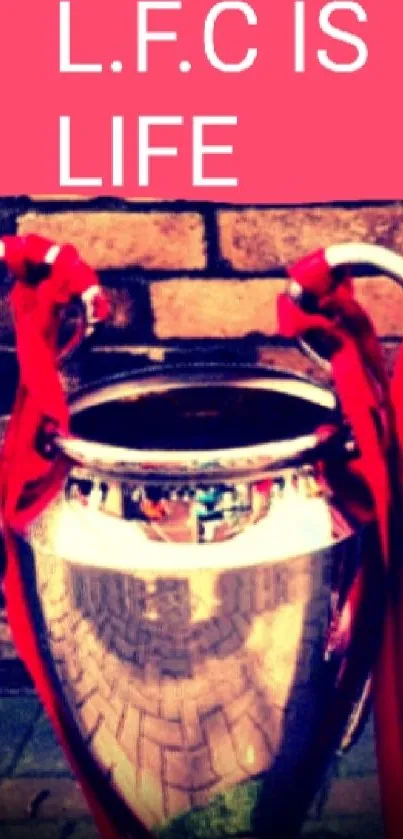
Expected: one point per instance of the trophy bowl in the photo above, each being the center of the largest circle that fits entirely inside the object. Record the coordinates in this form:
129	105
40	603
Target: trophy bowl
206	596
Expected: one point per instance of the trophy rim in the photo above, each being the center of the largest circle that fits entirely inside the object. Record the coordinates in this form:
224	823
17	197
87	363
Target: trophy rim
250	461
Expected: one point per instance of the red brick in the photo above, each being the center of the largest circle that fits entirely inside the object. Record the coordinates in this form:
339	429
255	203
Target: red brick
383	300
233	308
259	239
116	239
214	308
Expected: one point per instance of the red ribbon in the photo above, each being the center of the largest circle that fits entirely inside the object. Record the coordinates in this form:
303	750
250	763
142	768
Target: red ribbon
375	413
29	479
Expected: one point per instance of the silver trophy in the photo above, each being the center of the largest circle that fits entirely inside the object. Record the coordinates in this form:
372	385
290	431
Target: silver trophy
194	586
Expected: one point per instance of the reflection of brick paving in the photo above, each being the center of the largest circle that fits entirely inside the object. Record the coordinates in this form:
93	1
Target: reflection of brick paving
39	799
180	688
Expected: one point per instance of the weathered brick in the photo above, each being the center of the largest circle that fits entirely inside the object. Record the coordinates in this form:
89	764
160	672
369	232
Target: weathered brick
234	308
214	308
115	239
258	239
383	300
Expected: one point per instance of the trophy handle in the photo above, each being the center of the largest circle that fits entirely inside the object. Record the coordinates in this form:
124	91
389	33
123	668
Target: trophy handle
48	279
345	255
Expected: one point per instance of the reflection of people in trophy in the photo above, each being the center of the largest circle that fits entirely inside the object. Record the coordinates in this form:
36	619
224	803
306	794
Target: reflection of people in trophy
97	496
152	504
92	494
207	517
74	493
79	491
260	498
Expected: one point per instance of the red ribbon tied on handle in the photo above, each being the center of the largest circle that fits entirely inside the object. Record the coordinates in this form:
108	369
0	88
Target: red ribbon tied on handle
319	304
28	477
48	277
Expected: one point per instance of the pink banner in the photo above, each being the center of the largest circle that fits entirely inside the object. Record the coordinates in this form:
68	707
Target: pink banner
257	101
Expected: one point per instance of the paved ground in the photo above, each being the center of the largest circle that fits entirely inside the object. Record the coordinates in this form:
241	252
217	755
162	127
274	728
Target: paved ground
39	798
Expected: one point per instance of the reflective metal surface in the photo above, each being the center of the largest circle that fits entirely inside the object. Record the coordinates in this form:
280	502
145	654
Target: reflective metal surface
193	579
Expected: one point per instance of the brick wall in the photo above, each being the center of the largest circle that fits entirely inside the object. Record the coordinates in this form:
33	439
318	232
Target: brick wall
179	273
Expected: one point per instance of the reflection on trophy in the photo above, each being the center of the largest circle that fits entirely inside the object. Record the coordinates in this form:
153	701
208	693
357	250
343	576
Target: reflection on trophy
185	587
